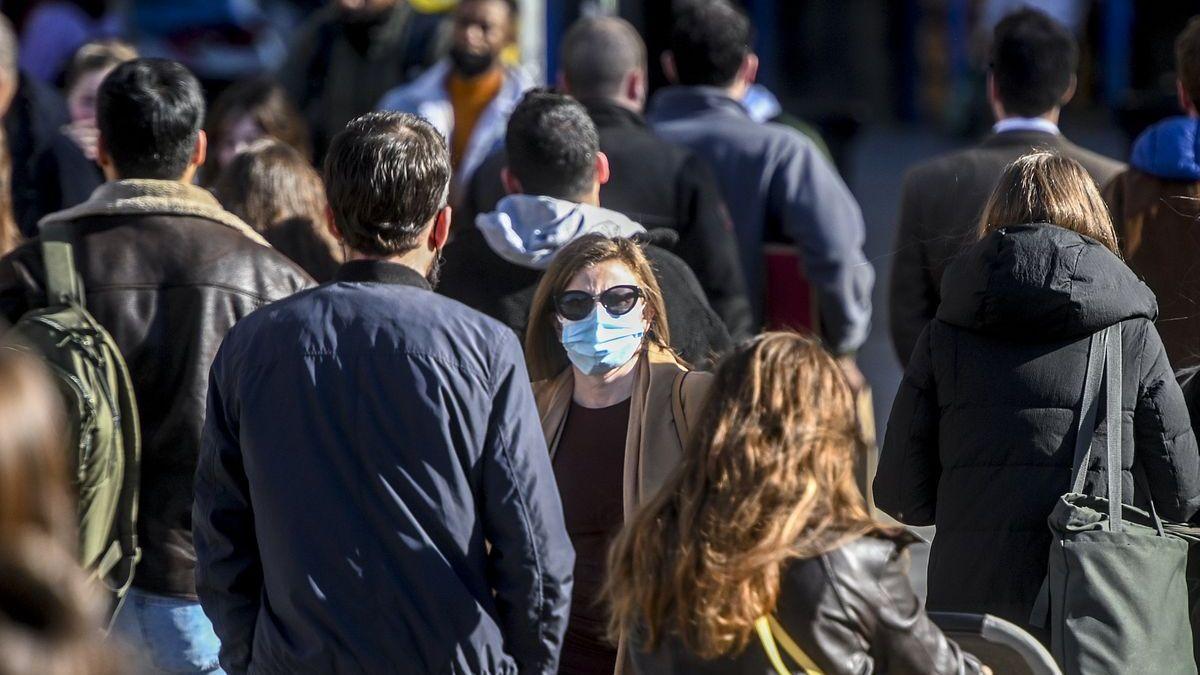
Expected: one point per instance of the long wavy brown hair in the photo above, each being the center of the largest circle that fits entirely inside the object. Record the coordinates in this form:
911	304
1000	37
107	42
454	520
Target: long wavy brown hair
767	477
1045	187
544	353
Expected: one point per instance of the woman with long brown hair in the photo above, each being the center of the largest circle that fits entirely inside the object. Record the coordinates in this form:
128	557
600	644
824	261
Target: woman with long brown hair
763	525
51	616
981	436
248	110
615	404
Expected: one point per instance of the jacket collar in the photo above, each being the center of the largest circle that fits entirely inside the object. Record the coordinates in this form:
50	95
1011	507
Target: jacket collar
1024	137
382	272
676	102
608	115
143	196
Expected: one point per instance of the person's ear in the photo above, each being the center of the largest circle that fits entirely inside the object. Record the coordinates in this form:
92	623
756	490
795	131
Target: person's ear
511	185
1069	93
331	226
668	65
200	150
105	160
635	86
602	169
993	96
561	83
749	70
440	232
1185	101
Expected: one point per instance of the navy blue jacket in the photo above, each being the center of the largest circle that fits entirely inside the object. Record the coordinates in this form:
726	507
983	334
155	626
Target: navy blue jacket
364	440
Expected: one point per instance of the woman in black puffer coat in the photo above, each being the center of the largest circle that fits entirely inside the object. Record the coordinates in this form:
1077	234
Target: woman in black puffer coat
981	436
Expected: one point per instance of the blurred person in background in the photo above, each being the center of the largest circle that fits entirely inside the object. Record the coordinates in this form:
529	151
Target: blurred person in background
66	171
167	272
34	113
374	493
653	182
469	94
245	112
10	234
274	189
615	404
771	176
763	520
51	614
980	441
349	54
1155	206
55	30
554	173
1032	75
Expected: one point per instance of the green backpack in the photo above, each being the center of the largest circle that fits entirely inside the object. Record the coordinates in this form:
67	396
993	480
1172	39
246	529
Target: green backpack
101	411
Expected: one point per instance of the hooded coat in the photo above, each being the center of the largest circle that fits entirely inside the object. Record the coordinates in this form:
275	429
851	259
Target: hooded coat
1155	207
495	268
981	436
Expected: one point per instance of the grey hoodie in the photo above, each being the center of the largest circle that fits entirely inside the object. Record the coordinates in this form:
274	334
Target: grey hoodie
529	230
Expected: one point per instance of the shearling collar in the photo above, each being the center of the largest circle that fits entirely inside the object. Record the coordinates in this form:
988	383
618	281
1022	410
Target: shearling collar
143	196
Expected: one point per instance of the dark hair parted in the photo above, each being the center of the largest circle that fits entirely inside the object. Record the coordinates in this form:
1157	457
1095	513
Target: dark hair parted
149	112
266	101
552	145
1033	60
709	40
387	174
1187	60
1043	187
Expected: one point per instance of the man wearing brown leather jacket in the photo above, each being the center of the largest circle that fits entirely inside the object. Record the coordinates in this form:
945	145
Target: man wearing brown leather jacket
167	272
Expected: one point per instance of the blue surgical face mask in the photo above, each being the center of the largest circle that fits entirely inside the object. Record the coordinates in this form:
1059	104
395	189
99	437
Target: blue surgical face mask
601	342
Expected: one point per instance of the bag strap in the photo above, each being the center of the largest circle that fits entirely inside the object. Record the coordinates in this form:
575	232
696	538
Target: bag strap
768	630
1088	408
681	422
63	286
1113	423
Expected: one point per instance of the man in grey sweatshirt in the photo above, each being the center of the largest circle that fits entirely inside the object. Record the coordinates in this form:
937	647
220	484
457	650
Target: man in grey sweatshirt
772	177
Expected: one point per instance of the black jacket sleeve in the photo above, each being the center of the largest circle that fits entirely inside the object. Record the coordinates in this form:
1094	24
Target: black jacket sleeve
707	244
1165	446
229	575
909	466
531	558
913	295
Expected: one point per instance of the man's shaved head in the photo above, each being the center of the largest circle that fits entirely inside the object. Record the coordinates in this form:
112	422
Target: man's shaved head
597	55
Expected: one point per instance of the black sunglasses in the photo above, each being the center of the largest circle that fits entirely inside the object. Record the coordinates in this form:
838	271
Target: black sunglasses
577	305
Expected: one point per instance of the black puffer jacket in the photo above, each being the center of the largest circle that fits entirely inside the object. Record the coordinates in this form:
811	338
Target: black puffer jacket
981	437
851	610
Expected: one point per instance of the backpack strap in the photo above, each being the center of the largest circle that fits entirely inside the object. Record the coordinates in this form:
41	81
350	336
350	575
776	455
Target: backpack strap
773	636
681	422
688	396
63	286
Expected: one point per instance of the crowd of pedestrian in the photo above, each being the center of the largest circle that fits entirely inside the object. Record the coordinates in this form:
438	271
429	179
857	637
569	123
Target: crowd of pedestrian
394	362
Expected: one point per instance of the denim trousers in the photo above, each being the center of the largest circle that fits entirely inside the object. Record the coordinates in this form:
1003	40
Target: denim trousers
167	634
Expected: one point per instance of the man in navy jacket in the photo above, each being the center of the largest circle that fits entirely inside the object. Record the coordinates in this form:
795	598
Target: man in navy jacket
374	492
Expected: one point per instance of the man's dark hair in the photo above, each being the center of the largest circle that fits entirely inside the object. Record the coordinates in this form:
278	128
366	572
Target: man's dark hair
598	53
387	175
552	145
709	40
149	112
1033	60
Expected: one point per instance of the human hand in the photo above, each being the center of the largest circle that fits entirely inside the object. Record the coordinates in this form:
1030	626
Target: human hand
85	135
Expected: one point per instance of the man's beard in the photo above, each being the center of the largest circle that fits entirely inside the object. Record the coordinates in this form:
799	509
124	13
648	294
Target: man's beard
434	275
468	64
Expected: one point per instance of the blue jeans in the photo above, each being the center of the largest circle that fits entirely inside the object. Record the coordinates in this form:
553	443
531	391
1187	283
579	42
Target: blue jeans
167	634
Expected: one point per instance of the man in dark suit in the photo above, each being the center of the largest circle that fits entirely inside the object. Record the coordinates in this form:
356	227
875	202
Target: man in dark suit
1032	76
653	182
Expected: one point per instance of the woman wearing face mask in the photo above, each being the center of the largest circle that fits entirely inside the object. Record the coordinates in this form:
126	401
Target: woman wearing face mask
615	405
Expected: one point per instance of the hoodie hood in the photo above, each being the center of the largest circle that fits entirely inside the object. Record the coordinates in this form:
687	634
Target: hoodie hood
1168	149
529	231
1038	283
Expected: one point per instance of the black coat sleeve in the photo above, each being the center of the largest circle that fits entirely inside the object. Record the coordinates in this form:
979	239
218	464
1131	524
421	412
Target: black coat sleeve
531	558
1164	443
698	335
913	295
229	576
707	244
909	464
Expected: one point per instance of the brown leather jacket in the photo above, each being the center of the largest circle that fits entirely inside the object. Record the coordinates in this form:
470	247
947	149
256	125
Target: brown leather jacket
851	610
167	272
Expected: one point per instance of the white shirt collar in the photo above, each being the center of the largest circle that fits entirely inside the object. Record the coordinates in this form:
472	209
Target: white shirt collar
1026	124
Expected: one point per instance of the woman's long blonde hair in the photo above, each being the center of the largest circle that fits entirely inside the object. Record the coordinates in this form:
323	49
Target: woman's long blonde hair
768	476
1044	187
544	353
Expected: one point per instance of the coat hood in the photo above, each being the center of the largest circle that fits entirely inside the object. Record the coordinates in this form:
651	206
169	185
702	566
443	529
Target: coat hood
1169	149
1036	283
528	230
